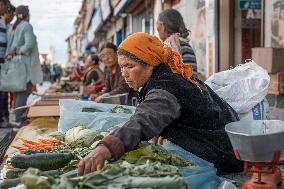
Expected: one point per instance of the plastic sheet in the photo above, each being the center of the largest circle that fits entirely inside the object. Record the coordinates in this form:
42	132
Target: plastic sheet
71	115
202	176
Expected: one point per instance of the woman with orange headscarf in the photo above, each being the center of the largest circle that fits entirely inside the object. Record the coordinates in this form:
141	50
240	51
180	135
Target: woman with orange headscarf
173	105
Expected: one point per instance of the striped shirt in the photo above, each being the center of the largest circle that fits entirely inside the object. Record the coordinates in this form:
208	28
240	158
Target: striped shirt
188	55
3	40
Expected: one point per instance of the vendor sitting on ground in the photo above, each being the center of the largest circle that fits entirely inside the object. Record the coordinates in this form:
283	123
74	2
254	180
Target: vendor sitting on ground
174	106
114	82
93	76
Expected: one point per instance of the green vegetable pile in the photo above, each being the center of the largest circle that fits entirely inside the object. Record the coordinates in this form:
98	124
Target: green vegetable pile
120	175
149	152
65	88
147	167
120	109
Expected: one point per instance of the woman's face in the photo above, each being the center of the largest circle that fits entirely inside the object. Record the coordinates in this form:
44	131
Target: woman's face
2	8
8	17
88	62
135	74
109	57
161	30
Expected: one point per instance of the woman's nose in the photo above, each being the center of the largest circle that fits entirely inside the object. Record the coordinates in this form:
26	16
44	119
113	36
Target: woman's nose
124	72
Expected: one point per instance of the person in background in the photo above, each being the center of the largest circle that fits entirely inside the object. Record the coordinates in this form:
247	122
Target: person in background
59	72
114	82
4	113
9	15
92	71
93	78
53	73
22	42
170	23
46	71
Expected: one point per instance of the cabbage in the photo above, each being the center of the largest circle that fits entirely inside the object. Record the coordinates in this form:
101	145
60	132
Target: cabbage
81	135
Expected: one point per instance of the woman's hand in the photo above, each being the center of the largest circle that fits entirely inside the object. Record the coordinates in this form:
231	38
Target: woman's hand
94	161
88	90
100	98
10	55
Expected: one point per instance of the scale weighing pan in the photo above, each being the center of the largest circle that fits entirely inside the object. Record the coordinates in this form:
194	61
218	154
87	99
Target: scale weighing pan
257	140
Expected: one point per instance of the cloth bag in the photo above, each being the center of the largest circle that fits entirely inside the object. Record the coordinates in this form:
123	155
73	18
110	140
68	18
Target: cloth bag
13	75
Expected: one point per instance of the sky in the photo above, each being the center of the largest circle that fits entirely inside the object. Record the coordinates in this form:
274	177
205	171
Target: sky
52	21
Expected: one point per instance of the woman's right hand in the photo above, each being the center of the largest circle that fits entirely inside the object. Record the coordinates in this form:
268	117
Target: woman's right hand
95	161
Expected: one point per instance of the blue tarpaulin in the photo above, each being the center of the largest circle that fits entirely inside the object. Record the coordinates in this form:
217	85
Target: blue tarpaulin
201	176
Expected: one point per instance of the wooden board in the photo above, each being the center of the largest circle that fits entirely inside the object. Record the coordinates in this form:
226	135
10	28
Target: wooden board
43	111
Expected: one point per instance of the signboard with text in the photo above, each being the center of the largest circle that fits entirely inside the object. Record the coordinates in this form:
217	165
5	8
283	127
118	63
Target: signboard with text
250	4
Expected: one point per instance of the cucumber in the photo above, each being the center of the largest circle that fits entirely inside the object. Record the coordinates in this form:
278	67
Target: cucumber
16	173
9	183
42	161
29	152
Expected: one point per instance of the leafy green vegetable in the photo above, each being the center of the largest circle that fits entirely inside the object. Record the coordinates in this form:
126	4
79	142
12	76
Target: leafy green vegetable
154	153
121	175
36	179
65	87
91	110
120	109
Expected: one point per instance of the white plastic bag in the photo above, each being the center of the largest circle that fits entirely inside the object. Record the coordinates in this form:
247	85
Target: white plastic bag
71	115
259	112
242	87
227	185
100	121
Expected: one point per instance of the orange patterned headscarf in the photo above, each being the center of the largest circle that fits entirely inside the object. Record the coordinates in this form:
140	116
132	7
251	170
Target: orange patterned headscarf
151	50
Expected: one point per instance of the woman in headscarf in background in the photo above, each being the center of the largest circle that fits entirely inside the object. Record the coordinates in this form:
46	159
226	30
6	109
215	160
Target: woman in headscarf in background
22	43
173	105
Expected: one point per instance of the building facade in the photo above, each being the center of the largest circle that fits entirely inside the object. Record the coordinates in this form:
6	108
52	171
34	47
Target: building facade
222	32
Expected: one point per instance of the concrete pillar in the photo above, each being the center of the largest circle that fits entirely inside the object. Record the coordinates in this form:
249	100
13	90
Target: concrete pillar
226	34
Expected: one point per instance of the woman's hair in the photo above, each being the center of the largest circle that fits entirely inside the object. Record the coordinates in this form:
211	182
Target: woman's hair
109	46
131	56
173	22
95	58
5	2
22	12
10	8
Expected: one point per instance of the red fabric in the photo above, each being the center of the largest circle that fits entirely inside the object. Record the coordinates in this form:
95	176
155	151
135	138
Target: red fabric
11	100
99	85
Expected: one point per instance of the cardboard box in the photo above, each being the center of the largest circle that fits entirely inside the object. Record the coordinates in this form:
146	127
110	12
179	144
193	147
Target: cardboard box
271	59
43	111
276	85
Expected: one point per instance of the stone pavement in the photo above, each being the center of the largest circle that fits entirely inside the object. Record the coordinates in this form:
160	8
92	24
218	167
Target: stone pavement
276	106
